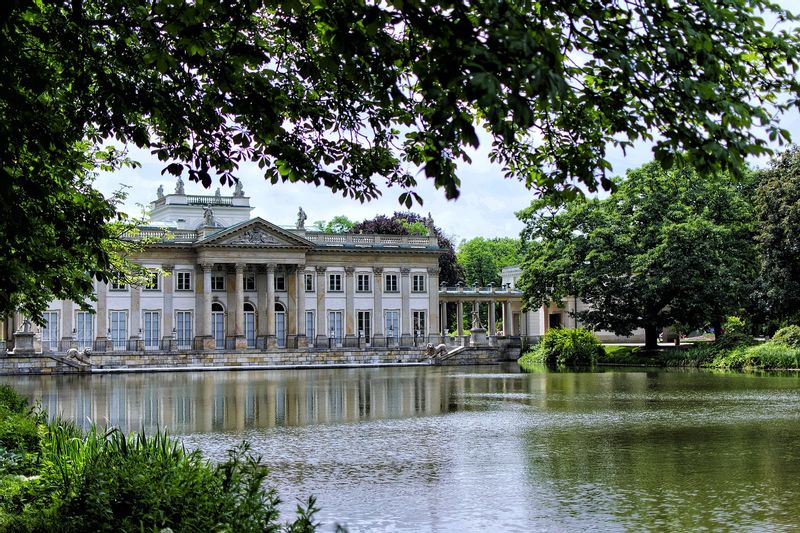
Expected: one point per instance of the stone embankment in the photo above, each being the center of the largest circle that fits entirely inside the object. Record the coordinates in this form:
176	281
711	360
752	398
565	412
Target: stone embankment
153	362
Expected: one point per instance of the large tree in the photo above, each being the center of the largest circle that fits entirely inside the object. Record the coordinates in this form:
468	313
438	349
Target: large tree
351	95
778	207
482	259
407	223
668	246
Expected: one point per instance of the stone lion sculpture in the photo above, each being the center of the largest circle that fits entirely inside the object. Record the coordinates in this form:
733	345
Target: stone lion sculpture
436	350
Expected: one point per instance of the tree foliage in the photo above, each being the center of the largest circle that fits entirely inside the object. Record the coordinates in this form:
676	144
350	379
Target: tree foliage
338	224
667	246
407	223
482	259
777	202
352	95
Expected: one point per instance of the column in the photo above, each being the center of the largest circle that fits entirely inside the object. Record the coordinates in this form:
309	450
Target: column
291	301
510	316
168	284
460	318
349	307
102	313
492	331
300	286
261	301
443	316
203	308
405	291
433	301
240	342
271	343
476	308
136	312
67	319
321	333
504	312
377	302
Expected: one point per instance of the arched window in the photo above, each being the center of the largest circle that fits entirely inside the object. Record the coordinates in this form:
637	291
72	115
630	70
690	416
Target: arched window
250	324
218	325
280	325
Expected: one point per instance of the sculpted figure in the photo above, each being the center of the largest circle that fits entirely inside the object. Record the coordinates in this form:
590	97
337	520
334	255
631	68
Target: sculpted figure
179	186
160	192
238	190
301	219
208	216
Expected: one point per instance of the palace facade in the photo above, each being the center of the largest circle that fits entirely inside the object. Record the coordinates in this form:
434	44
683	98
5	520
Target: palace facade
222	280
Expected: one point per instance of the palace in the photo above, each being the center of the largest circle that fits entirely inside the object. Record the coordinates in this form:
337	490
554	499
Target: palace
222	280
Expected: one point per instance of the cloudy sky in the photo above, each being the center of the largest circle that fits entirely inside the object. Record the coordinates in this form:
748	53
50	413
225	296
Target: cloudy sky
486	206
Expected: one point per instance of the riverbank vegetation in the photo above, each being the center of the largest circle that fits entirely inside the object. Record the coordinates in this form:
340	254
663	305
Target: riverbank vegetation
731	352
54	477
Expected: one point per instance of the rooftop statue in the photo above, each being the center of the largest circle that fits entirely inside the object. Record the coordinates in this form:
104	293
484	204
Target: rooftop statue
179	186
301	219
238	190
160	192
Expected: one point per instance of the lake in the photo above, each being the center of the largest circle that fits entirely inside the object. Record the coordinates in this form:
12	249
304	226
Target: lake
482	448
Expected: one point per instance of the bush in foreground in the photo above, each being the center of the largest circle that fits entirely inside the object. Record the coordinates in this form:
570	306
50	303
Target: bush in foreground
107	481
565	346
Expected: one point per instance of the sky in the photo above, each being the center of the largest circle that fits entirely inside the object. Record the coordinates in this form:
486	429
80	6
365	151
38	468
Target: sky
485	208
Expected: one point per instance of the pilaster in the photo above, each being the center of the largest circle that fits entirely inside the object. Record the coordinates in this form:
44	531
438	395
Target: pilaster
321	334
405	292
167	293
349	307
433	301
377	304
271	342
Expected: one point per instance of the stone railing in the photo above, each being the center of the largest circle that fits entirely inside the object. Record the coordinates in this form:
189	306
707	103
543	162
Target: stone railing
193	199
478	291
161	234
371	240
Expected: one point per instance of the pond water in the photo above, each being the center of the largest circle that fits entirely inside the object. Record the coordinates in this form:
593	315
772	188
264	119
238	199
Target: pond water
482	448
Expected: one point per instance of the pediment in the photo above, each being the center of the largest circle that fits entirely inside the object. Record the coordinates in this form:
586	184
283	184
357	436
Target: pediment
255	233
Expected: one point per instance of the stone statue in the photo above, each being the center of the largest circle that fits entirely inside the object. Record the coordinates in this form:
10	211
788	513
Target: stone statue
238	190
476	320
217	194
208	216
429	224
25	327
160	192
301	219
179	186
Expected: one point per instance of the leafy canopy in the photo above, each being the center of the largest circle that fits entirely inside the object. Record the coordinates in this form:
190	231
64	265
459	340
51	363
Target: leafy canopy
483	259
777	201
668	246
353	95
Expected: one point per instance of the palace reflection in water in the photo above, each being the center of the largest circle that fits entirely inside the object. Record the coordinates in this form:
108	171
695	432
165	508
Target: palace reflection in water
236	401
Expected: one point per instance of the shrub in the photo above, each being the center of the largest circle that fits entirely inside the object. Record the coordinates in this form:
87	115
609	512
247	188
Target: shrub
573	347
789	336
734	324
13	401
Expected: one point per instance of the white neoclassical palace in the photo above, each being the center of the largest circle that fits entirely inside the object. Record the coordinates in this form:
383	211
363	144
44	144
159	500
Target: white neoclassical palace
224	280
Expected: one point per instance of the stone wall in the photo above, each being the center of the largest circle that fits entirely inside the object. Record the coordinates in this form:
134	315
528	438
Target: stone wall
44	364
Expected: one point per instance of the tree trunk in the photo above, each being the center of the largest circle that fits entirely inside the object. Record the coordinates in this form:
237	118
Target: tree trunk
650	338
717	325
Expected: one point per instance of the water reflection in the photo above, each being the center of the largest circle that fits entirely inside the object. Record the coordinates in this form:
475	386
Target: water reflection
237	401
485	448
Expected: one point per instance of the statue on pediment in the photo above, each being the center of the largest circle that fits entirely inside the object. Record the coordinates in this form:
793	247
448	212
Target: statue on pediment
301	219
238	190
160	192
208	216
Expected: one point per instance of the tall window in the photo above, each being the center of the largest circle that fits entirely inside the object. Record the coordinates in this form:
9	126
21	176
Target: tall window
280	325
309	278
418	283
218	282
310	327
118	286
84	330
364	323
183	329
335	321
119	329
362	283
280	281
218	325
183	281
334	283
392	323
418	320
152	282
250	324
250	281
390	283
151	327
50	331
